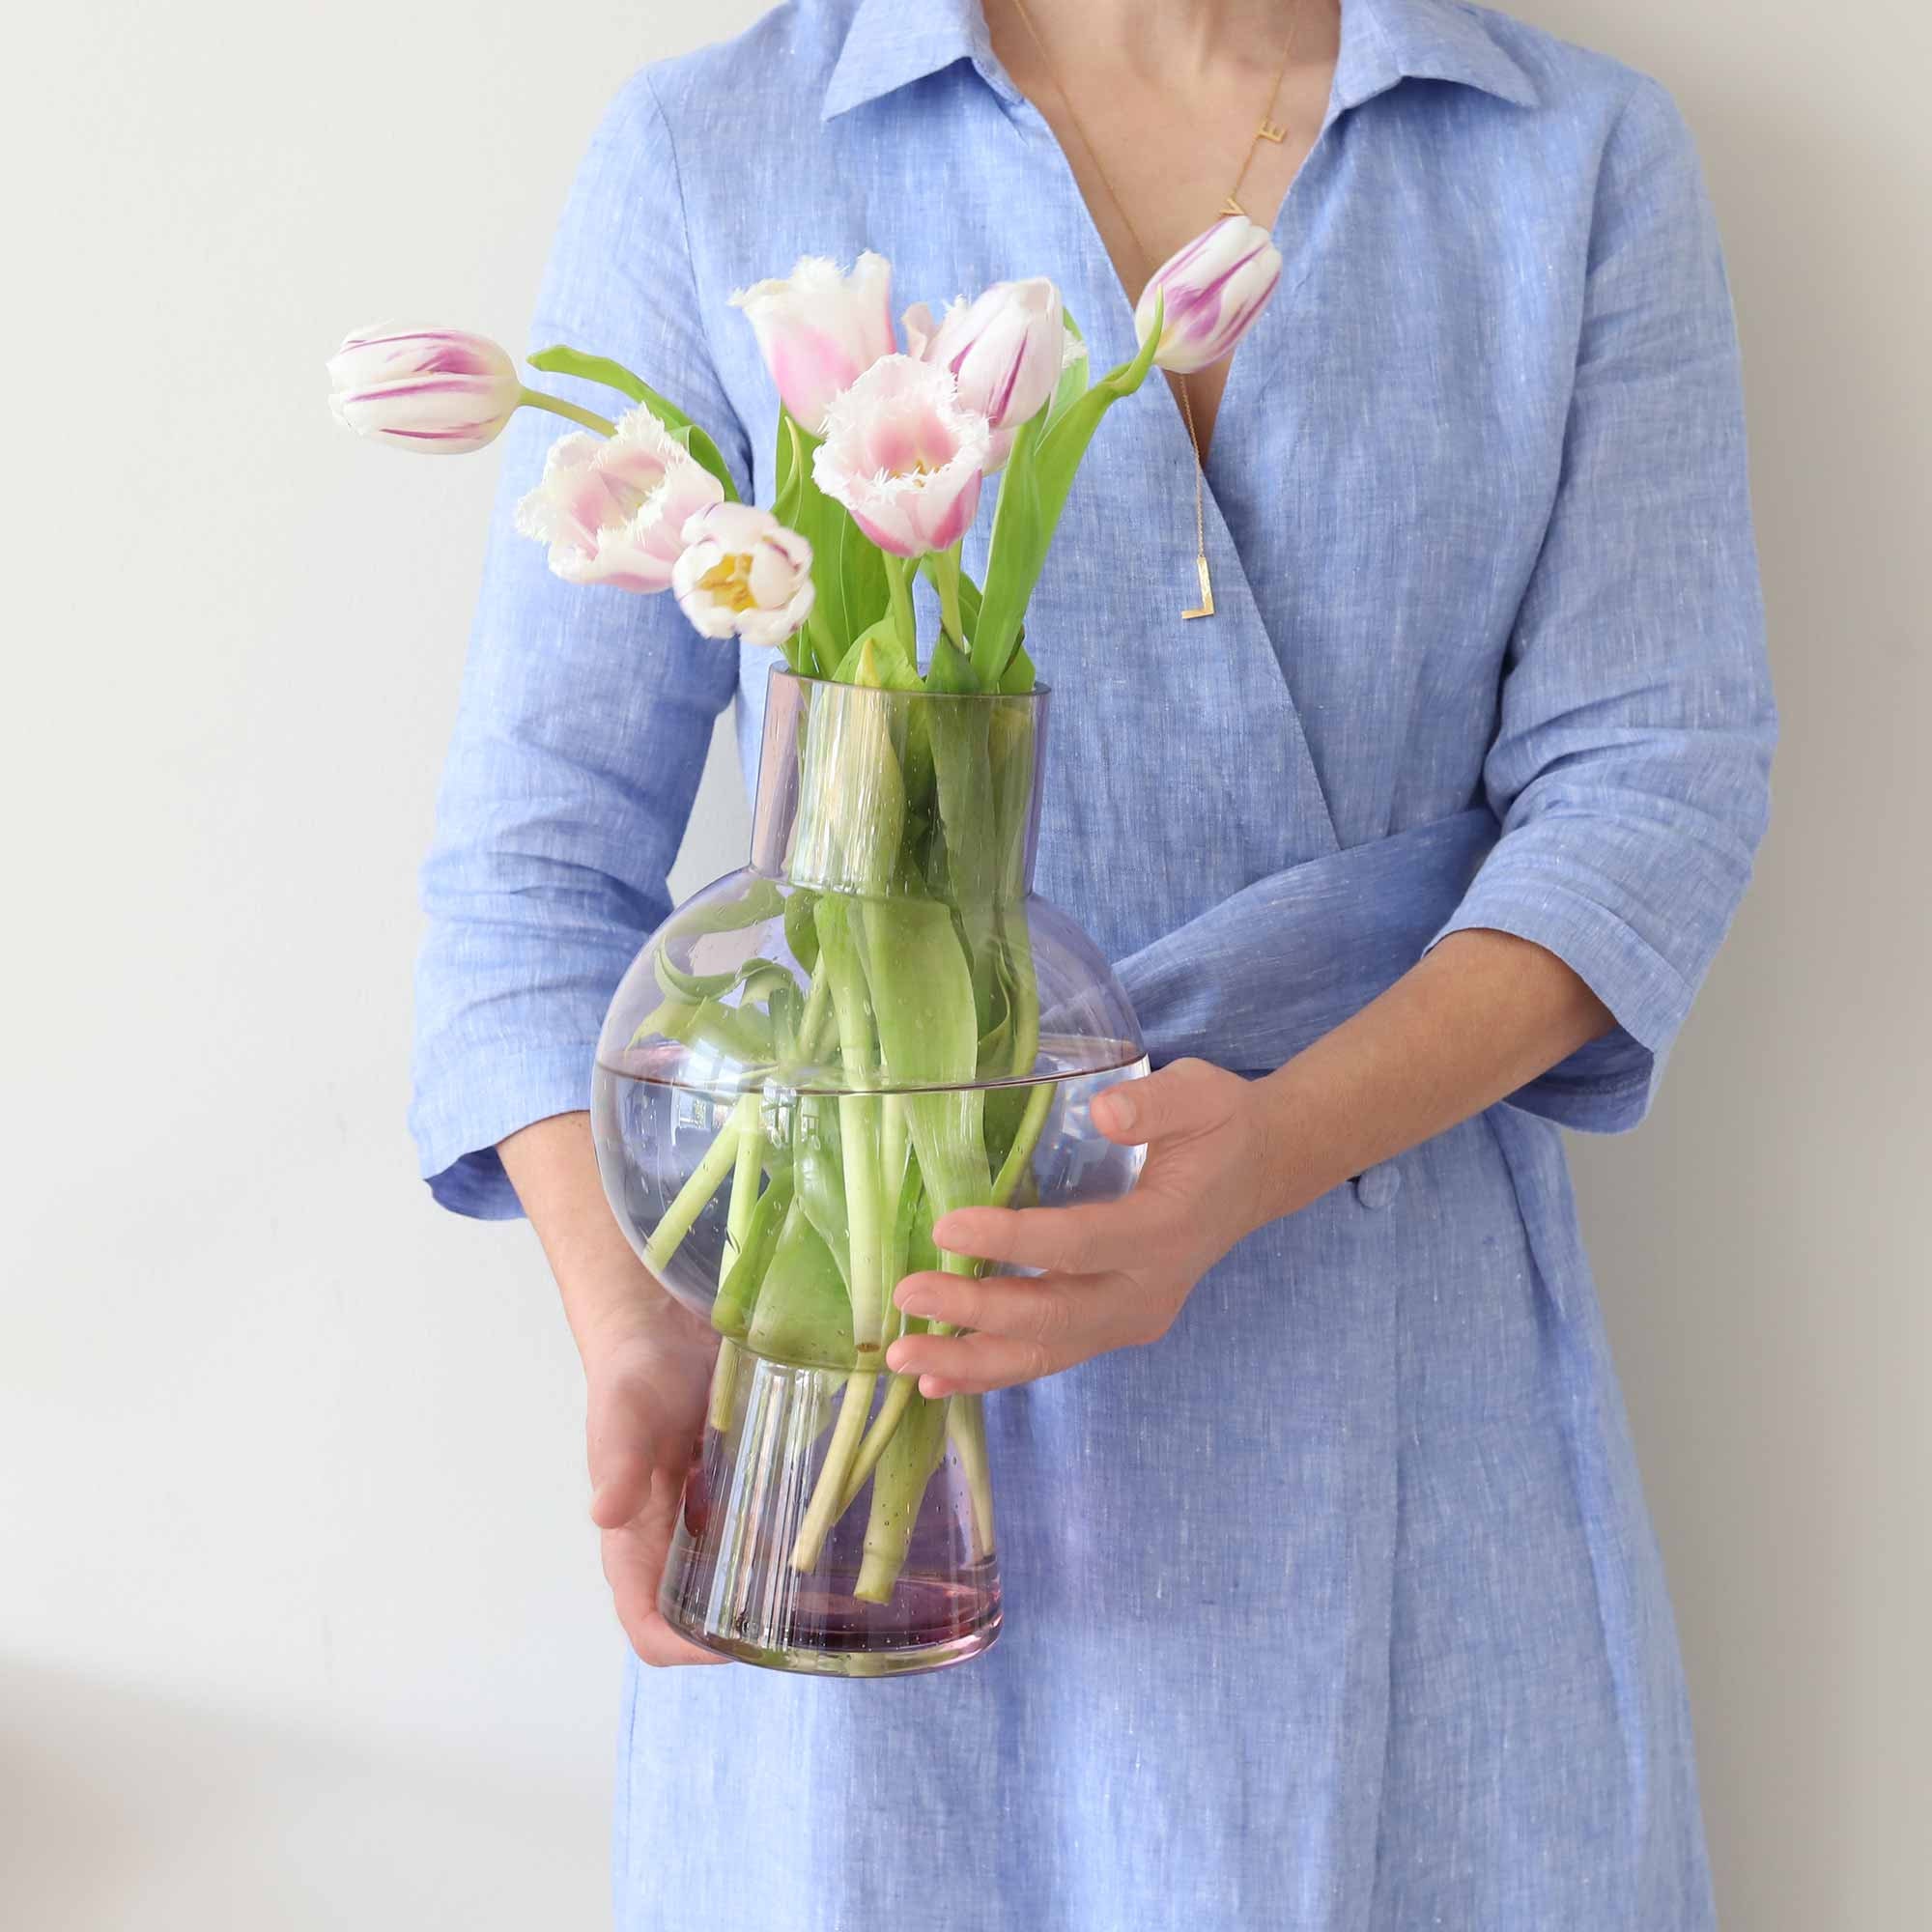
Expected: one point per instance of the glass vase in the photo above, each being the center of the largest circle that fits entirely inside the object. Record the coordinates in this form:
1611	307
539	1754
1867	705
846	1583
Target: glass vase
876	1021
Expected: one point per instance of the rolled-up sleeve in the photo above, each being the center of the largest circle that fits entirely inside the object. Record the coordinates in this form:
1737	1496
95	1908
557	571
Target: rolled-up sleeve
584	717
1630	769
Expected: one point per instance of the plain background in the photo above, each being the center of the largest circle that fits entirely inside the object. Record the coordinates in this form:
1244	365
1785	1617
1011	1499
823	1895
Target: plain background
300	1622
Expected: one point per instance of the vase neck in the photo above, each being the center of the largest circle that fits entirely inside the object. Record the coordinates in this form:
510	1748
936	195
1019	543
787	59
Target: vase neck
900	793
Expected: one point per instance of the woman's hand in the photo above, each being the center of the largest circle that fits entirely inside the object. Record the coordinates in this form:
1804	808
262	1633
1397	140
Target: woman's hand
646	1385
1114	1274
646	1372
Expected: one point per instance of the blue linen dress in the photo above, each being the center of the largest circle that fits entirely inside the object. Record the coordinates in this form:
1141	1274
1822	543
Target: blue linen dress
1339	1607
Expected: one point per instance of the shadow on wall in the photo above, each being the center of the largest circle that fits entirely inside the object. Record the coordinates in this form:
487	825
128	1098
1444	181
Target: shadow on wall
127	1809
1756	1245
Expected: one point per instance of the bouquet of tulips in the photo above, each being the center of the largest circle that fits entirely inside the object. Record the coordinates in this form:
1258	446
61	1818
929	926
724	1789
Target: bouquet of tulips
903	868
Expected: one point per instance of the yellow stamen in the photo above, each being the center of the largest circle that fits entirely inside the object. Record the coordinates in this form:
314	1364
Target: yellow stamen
730	581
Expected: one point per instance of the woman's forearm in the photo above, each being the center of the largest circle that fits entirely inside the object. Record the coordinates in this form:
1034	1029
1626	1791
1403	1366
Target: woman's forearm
1480	1015
606	1288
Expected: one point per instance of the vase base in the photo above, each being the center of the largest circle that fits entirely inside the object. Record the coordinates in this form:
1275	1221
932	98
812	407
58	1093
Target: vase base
822	1635
900	1578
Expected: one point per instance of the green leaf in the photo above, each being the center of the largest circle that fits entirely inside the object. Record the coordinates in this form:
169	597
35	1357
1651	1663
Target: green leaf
928	1035
803	1312
878	661
563	360
1038	474
732	1313
848	572
951	670
1073	376
820	1167
801	934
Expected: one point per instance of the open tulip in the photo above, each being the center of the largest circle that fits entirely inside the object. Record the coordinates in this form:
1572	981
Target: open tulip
904	456
437	390
742	574
1005	351
1211	291
820	330
614	509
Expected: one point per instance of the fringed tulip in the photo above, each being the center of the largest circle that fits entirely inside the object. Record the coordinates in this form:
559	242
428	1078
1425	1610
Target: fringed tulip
904	456
820	330
744	574
1212	291
1005	351
614	510
436	390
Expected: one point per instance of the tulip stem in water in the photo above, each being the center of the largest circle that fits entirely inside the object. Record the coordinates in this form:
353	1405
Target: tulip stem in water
535	399
826	1505
966	1426
706	1180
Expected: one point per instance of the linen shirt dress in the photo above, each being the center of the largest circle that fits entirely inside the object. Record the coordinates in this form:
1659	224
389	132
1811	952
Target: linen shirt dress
1338	1610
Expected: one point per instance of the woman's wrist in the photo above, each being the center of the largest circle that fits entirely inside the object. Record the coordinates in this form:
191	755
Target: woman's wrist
609	1299
1477	1018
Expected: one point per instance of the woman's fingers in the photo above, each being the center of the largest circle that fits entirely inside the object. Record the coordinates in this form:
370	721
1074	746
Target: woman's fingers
634	1561
1022	1328
1052	1310
1065	1240
974	1364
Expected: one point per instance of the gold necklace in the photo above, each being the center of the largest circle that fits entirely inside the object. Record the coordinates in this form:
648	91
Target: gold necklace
1270	129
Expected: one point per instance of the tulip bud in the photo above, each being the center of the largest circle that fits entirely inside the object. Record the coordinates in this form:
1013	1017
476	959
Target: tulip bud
614	509
1005	351
743	575
820	330
903	457
436	390
1213	290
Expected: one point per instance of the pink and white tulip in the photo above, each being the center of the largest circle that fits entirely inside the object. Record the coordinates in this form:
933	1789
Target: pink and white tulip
1005	351
614	510
440	391
744	574
905	456
1214	290
820	330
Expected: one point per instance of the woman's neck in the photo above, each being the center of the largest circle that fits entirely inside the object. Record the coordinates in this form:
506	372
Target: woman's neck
1187	39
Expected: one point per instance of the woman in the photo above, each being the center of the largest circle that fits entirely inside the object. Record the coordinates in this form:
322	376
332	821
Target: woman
1333	1602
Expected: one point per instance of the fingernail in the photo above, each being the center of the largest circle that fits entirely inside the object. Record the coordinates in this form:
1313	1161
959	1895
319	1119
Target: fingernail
1114	1112
913	1301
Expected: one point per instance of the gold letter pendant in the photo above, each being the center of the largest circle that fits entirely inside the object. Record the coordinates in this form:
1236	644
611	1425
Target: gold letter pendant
1206	608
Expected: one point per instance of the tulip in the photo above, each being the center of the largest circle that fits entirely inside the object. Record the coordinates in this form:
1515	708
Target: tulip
904	456
1005	351
437	390
1214	290
614	509
820	330
743	575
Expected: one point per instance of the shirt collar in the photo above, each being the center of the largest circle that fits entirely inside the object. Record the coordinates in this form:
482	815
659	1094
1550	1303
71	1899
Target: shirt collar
891	43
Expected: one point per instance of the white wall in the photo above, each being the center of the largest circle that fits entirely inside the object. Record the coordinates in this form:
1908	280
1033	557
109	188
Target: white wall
299	1622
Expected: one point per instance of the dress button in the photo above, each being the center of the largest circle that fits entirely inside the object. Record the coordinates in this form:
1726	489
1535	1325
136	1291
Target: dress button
1378	1185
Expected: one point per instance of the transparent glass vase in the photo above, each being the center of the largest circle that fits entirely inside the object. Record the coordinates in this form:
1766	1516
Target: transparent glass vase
876	1021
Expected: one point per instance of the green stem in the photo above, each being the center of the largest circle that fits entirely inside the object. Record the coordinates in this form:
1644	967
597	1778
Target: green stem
966	1427
825	1508
944	567
535	399
745	1174
724	1384
696	1192
1024	1142
899	1395
898	586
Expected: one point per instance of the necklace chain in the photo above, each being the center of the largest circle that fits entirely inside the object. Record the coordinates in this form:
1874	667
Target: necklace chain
1268	129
